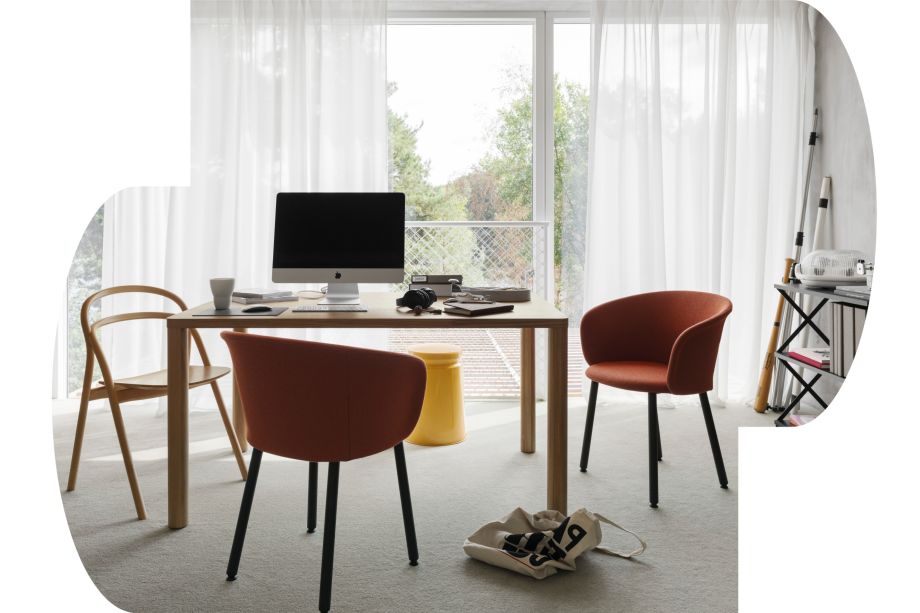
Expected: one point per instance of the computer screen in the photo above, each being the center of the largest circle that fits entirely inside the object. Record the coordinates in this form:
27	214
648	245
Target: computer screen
339	237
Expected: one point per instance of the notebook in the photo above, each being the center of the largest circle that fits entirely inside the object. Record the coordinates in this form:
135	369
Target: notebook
235	312
469	309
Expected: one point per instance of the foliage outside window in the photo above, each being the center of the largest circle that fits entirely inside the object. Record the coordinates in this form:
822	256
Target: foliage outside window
85	277
500	186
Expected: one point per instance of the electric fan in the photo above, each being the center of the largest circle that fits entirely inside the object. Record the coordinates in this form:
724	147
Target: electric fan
830	268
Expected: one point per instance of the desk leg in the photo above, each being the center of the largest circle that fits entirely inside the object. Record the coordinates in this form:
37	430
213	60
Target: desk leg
557	423
177	426
528	392
239	417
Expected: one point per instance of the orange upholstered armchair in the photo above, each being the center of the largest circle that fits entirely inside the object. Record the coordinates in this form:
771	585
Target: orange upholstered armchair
657	343
324	403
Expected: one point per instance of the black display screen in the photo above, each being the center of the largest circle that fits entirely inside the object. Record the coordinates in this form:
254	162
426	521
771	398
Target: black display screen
339	230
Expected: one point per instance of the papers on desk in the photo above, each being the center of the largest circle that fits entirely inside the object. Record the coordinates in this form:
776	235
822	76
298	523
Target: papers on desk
262	294
263	300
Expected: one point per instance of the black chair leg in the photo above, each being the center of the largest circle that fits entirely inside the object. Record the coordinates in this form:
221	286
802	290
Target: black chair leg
653	450
658	434
325	581
404	497
589	427
714	441
311	498
243	520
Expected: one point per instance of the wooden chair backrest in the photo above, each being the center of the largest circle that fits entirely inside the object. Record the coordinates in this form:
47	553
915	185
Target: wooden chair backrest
94	348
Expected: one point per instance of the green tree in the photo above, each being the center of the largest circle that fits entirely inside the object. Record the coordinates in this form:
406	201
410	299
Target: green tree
84	278
408	173
509	173
500	188
511	163
428	250
570	180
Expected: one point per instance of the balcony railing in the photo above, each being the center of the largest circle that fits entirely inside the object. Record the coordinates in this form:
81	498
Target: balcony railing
486	253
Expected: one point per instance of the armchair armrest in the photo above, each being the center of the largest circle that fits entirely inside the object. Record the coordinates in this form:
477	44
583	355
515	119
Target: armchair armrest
693	356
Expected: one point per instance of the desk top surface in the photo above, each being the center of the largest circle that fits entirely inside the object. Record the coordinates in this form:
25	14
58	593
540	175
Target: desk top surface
381	313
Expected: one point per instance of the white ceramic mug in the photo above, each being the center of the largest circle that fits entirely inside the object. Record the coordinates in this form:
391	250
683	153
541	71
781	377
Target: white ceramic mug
222	287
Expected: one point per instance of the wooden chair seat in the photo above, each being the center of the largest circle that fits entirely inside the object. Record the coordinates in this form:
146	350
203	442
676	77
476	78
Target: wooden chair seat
154	384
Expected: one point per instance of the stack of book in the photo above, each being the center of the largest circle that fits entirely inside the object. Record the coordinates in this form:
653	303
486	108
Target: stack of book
819	357
854	291
799	420
846	329
261	296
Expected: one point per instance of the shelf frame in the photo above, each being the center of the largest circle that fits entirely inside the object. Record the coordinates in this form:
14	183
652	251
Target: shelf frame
791	364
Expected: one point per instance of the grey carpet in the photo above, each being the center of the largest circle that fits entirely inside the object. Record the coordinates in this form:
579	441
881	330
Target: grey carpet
690	565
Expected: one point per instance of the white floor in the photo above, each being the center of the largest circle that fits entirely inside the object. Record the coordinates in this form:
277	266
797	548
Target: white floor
691	563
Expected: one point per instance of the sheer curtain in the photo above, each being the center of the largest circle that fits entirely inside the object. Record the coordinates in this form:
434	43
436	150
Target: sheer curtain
287	95
699	114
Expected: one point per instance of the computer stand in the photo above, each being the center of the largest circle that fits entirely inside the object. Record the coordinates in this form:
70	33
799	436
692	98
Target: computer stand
341	293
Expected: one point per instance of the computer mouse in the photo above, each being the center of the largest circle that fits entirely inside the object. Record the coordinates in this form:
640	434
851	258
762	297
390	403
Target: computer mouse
257	308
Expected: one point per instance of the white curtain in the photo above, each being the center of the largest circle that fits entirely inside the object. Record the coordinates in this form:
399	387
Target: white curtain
287	95
700	111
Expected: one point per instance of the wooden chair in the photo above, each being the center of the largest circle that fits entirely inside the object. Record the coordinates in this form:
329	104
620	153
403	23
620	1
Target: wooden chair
141	387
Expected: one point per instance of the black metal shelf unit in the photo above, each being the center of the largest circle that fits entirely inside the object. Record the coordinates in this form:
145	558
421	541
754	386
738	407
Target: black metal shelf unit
791	364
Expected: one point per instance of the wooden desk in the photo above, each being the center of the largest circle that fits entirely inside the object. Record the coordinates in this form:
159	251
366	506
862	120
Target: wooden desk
381	313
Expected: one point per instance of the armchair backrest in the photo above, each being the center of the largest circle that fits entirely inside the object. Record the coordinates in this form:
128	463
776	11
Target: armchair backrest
678	328
324	403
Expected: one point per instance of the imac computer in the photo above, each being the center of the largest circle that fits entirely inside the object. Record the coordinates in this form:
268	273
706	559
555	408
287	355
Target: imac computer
340	239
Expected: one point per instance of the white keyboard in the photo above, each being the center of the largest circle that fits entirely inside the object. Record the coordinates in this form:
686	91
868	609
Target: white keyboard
331	308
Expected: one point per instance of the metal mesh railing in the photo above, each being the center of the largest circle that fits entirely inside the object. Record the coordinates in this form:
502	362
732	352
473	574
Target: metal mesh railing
510	253
486	253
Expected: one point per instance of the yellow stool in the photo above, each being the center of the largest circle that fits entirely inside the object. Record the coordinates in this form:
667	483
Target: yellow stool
441	421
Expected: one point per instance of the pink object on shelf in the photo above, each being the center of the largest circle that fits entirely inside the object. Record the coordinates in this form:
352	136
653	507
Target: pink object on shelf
809	360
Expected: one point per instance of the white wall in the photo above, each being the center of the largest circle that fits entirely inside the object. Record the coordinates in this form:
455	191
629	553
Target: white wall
844	150
844	153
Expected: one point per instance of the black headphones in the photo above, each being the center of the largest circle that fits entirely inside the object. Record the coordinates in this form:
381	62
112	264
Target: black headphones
422	298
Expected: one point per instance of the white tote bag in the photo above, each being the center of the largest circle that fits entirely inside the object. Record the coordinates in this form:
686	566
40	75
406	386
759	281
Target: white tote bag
540	544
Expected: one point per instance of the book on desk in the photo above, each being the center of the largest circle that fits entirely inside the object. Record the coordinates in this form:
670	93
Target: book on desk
266	299
474	309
